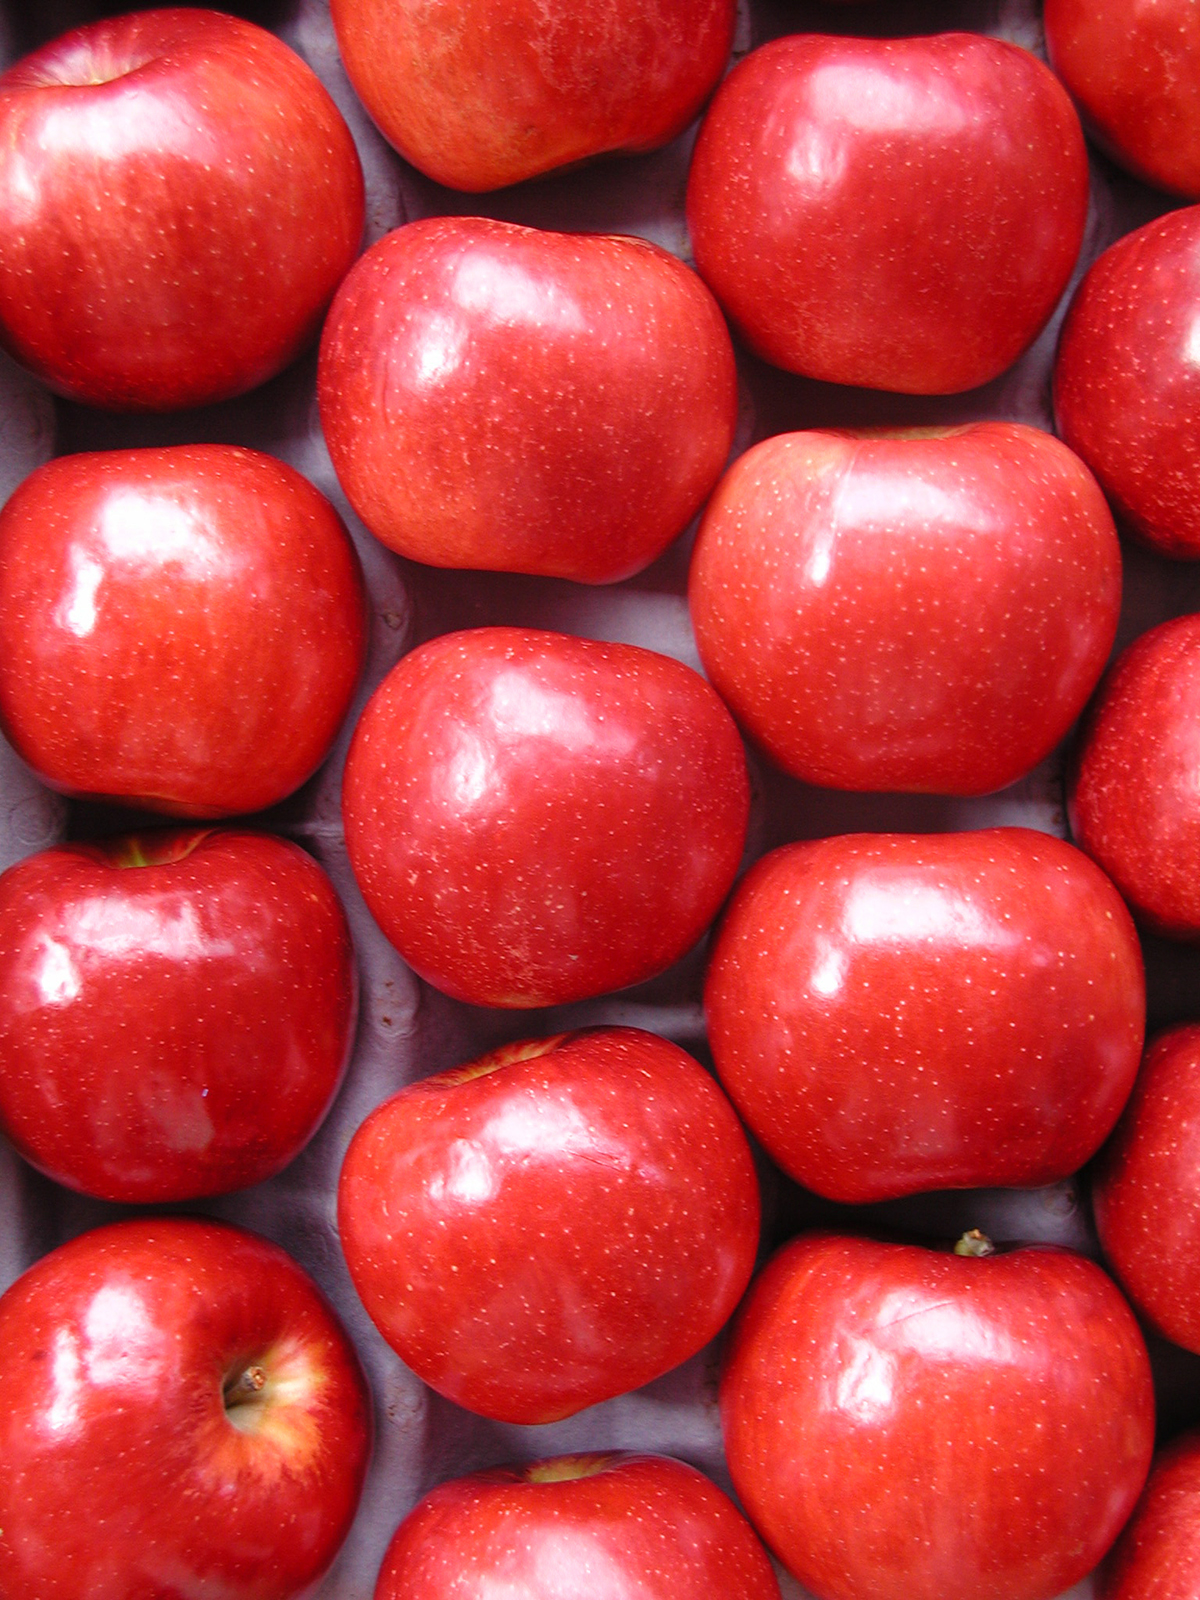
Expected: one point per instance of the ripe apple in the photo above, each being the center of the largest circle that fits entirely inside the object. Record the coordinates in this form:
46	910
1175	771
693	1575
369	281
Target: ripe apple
1134	72
556	1223
895	1013
507	398
894	213
183	1415
534	818
585	1527
176	1011
483	93
1157	1557
1146	1188
179	198
922	611
1127	384
1133	800
904	1423
181	629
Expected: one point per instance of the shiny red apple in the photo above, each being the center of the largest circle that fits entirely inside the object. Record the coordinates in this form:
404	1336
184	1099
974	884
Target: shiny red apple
556	1223
184	1415
483	93
585	1527
1157	1556
923	611
176	1011
517	400
893	213
1133	70
179	198
181	629
896	1013
1133	798
534	818
1127	382
904	1423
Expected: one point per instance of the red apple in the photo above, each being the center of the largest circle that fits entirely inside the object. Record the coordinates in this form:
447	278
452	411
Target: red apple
483	93
506	398
1127	382
175	1011
895	1013
534	818
894	213
554	1224
924	611
909	1424
179	198
586	1527
1133	70
1133	799
1157	1557
183	1415
181	628
1146	1190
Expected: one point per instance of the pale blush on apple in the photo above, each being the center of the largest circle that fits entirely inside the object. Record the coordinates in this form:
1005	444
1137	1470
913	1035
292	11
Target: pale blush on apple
519	400
483	93
535	818
181	629
184	1414
179	198
578	1527
891	213
176	1011
554	1224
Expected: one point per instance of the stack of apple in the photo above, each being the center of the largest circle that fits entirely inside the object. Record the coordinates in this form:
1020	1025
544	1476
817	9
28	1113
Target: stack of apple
666	504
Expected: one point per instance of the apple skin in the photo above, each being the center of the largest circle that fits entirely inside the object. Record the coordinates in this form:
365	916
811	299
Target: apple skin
524	401
122	1471
587	1527
483	93
1132	798
179	198
908	1424
894	1014
1157	1556
176	1011
926	611
1126	385
557	1223
1133	70
535	819
1146	1188
181	629
893	213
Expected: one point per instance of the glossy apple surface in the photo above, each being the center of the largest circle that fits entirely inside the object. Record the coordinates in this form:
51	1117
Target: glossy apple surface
185	1415
176	1011
181	628
909	1424
1146	1188
1134	72
483	93
913	612
897	1013
892	213
1157	1557
587	1527
1127	382
534	818
179	198
1133	800
518	400
554	1224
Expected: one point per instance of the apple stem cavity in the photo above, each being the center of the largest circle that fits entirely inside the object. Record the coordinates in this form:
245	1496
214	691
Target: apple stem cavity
565	1469
974	1243
241	1390
154	849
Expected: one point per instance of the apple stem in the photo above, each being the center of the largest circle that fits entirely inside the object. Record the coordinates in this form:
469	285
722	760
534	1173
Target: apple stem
242	1388
974	1243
